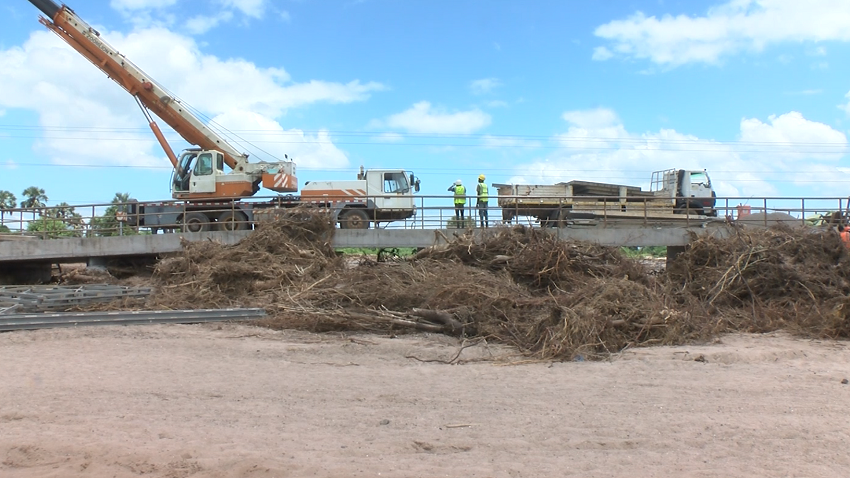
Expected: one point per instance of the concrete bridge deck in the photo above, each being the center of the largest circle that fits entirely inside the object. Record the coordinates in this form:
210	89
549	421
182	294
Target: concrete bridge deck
85	249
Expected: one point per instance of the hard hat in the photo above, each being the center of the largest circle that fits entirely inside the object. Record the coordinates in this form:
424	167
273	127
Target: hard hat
481	177
458	182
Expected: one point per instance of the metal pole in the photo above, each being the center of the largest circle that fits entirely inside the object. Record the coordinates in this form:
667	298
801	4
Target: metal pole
764	212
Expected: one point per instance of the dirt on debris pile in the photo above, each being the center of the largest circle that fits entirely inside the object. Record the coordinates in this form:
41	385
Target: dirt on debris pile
278	257
757	281
549	298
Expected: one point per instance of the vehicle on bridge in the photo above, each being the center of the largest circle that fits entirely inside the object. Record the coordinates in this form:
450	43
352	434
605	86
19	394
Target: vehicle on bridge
674	194
212	197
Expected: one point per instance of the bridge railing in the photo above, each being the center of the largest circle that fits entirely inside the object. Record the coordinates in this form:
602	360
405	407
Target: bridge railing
439	212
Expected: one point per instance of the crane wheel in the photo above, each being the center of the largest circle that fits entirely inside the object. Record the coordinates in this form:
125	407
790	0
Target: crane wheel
196	222
233	221
354	219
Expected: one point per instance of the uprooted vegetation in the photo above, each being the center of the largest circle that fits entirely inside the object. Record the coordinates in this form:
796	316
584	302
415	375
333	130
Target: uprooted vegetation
549	298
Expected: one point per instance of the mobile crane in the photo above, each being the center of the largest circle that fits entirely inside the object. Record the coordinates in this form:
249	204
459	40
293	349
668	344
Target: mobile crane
210	196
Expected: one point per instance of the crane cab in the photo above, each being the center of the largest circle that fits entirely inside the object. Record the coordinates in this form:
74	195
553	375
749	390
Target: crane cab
200	175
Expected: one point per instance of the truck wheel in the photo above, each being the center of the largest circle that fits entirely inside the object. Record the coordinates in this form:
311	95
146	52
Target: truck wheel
353	219
196	222
233	221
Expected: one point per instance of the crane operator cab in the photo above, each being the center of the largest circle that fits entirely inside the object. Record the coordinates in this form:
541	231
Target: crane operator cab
197	171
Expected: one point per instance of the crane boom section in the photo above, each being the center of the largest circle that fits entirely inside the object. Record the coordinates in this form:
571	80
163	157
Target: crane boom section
86	41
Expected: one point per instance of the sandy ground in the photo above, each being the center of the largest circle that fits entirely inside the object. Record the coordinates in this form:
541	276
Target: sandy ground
234	401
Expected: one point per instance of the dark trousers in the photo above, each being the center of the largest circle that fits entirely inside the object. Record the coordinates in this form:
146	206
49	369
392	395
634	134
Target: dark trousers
482	214
459	211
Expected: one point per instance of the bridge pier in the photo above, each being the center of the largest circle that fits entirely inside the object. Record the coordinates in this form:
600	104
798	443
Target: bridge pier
98	263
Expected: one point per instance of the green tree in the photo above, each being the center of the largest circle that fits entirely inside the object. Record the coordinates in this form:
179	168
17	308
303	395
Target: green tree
108	224
35	198
7	201
51	228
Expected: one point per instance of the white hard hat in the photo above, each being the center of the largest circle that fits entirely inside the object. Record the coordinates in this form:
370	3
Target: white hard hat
458	182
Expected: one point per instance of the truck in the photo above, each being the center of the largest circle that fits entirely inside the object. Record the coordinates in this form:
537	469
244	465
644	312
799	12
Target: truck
673	194
212	181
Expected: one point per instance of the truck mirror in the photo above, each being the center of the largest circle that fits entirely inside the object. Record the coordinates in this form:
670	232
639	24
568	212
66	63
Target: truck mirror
416	186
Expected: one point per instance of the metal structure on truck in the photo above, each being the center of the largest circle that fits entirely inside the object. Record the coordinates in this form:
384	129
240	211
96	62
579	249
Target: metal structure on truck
212	197
674	194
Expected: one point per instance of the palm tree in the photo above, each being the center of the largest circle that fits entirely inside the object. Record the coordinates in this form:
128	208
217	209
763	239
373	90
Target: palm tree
7	201
35	198
108	224
121	198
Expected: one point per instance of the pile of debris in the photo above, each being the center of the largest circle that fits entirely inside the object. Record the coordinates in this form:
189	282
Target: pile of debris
521	286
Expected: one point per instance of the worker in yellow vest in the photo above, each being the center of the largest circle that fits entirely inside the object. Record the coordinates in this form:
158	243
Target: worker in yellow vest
481	205
460	200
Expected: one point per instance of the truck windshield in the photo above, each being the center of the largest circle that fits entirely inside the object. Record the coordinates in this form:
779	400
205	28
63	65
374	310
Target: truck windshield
396	183
699	178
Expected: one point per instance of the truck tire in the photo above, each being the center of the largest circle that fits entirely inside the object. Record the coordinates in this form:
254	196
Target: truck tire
196	222
353	219
232	221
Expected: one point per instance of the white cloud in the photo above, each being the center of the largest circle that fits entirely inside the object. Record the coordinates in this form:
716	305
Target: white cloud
140	4
147	13
266	140
738	25
598	147
201	24
601	53
792	136
99	123
251	8
421	118
484	86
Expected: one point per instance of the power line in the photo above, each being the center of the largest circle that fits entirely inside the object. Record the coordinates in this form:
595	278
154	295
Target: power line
557	137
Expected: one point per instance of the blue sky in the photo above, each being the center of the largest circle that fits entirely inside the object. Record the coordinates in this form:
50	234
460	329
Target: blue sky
755	91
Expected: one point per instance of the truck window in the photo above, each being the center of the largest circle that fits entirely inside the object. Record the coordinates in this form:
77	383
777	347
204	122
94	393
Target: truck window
395	183
219	162
699	178
204	165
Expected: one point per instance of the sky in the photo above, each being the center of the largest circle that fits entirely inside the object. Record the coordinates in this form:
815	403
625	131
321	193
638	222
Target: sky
757	92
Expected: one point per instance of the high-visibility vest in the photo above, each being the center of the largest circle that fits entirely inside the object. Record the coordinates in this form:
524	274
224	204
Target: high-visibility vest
482	192
460	195
845	238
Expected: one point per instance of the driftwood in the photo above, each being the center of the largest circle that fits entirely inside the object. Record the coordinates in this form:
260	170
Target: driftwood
445	318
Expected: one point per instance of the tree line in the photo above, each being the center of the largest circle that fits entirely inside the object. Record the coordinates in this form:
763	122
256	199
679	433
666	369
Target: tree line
62	220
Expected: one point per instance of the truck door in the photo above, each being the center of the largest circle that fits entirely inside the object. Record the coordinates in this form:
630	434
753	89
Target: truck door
391	190
698	186
203	176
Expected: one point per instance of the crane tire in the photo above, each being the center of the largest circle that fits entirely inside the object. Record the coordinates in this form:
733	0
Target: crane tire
232	221
354	219
196	222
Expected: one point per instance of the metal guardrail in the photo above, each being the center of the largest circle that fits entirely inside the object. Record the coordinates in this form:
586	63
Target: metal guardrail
79	319
438	212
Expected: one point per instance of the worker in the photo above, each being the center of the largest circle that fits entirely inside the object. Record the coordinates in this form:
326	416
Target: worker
844	234
460	200
481	205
